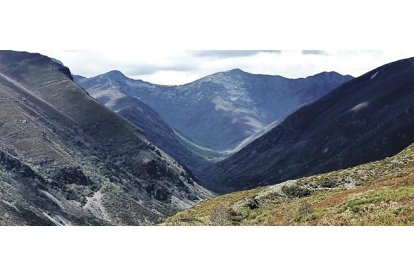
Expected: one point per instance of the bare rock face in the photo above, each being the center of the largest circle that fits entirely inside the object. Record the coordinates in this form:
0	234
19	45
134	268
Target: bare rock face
74	184
66	159
14	165
71	175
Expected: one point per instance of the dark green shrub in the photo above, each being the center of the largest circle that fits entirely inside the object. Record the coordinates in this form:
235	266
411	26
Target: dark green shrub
295	191
328	184
253	204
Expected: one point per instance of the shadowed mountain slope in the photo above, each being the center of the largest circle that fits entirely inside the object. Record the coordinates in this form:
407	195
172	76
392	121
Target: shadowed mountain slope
365	119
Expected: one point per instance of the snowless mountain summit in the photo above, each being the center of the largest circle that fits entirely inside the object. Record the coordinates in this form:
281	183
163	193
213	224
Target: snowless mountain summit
219	111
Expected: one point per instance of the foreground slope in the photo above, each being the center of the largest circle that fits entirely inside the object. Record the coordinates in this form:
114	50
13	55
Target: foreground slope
376	193
219	111
366	119
66	159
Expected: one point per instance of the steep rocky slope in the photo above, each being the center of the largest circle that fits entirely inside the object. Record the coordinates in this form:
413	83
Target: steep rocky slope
366	119
66	159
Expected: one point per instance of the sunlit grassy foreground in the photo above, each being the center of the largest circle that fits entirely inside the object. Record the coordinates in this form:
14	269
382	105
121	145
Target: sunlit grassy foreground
377	193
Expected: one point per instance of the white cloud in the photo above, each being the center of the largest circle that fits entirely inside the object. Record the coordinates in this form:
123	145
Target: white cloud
179	67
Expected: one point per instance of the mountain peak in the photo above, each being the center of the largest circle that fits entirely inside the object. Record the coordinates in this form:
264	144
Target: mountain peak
115	74
325	73
330	74
119	76
232	72
236	71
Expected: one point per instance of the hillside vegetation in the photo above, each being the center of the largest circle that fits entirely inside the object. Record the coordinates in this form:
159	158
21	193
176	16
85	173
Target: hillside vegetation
376	193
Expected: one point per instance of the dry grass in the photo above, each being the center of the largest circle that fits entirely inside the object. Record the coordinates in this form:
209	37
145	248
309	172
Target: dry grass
377	193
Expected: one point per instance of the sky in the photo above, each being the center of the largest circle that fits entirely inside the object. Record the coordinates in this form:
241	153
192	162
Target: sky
180	67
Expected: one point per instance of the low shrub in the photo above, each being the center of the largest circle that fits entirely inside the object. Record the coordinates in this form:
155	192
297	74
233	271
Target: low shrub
295	191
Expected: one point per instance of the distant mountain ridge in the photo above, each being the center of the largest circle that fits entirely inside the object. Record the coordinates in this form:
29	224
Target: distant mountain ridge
219	111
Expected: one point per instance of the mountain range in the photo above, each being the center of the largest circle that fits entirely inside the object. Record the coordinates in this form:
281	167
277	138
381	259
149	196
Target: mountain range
213	115
66	159
110	150
194	122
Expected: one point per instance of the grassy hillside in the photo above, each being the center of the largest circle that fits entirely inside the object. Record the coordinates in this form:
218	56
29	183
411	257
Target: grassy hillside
376	193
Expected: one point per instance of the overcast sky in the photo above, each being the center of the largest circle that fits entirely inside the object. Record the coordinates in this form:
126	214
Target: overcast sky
179	67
